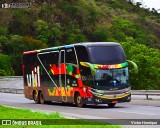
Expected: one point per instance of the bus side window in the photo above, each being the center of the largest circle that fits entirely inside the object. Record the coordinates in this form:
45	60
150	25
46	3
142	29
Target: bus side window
85	71
49	65
82	54
70	56
49	58
30	60
86	76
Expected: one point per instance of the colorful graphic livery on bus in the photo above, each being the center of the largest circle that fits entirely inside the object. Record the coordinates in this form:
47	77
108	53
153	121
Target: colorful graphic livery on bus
84	73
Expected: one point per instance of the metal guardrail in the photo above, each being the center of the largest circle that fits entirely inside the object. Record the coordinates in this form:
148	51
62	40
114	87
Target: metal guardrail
10	78
146	92
2	77
134	92
20	91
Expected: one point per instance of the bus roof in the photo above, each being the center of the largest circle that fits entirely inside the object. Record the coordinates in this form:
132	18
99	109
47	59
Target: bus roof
97	44
86	44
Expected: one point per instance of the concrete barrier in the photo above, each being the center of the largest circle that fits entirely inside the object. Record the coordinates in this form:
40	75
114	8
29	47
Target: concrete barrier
11	90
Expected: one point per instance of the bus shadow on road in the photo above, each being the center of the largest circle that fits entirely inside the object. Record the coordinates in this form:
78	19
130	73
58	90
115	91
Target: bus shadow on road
92	106
104	106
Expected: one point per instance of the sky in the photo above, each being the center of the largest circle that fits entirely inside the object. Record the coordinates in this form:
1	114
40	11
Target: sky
150	3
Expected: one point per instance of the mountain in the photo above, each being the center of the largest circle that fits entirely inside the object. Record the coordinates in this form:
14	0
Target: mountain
48	23
91	20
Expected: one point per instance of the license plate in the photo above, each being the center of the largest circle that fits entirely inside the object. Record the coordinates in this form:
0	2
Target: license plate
115	101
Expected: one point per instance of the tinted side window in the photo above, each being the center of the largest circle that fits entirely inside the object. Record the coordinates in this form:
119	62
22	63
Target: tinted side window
82	54
30	60
49	58
86	76
70	56
49	69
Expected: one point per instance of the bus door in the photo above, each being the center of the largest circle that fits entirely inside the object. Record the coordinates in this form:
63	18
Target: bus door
62	75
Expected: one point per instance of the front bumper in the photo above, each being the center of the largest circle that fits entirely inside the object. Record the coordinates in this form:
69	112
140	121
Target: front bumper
103	100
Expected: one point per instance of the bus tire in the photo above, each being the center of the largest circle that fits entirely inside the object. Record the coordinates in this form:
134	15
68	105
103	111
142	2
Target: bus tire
111	105
36	97
78	100
41	98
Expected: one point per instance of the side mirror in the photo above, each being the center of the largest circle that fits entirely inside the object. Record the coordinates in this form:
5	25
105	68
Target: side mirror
86	64
135	67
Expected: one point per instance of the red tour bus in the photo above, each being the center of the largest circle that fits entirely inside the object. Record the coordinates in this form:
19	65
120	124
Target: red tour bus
83	73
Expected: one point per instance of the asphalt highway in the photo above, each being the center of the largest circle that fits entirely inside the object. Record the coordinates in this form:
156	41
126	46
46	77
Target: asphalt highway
138	108
121	111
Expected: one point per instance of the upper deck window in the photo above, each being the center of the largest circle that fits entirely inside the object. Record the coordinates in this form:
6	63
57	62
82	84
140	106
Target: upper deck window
49	58
82	54
30	60
107	54
70	56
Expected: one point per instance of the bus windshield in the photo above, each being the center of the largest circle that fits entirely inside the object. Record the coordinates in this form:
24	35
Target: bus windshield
112	79
106	54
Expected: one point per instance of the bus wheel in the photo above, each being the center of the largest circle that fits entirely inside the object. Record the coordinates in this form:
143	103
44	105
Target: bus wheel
78	100
35	97
111	105
41	98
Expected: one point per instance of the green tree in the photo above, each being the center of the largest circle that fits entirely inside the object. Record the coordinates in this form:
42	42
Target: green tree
56	34
21	22
122	29
99	35
73	34
3	41
5	66
50	34
3	30
29	44
15	48
148	61
76	38
42	31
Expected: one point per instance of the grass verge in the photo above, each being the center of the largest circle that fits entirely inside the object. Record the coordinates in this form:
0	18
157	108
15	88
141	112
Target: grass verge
24	117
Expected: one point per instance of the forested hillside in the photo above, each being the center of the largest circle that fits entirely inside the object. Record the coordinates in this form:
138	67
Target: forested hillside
49	23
